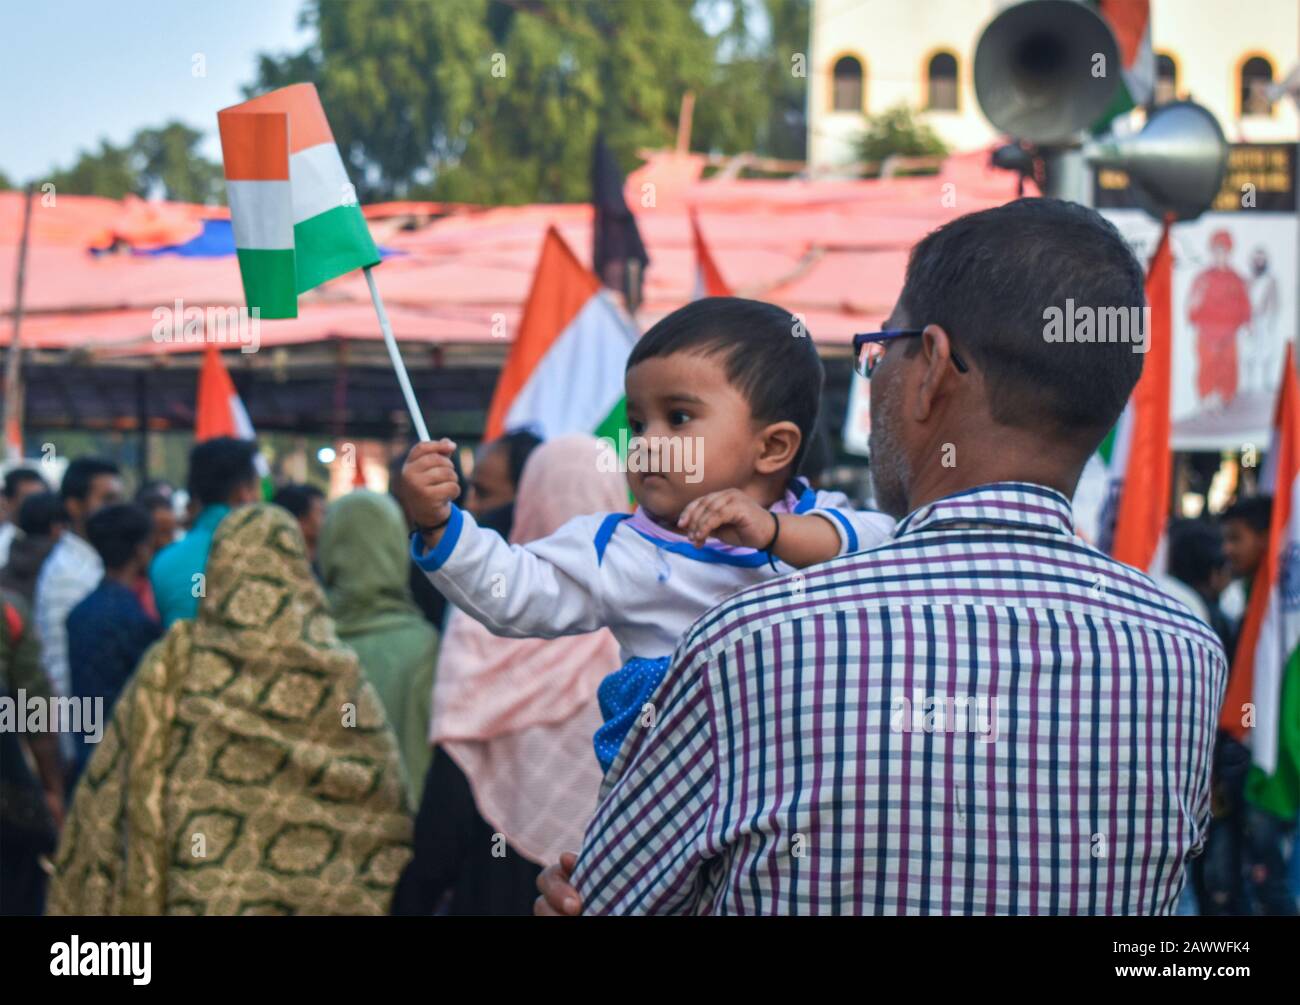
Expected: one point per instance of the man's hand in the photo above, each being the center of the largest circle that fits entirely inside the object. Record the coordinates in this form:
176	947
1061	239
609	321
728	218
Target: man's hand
429	483
730	516
559	898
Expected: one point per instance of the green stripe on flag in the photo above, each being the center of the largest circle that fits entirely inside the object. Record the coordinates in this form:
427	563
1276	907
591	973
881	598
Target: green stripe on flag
609	427
1107	446
268	276
614	421
1279	793
330	244
1121	104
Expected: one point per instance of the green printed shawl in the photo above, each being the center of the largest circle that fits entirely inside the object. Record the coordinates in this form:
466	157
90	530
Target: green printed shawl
248	767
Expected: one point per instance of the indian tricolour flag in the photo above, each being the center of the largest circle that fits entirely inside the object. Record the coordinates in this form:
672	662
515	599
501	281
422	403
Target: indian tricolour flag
220	411
294	213
1140	461
1130	21
564	372
1264	687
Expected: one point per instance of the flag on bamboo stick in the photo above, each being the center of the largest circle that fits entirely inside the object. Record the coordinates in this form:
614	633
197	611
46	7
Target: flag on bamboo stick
708	279
1141	458
294	213
1264	687
564	373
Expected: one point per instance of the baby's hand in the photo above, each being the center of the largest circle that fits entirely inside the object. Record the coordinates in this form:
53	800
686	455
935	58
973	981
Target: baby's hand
429	483
730	516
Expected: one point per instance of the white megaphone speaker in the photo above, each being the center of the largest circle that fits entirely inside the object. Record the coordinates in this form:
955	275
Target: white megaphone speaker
1174	165
1046	69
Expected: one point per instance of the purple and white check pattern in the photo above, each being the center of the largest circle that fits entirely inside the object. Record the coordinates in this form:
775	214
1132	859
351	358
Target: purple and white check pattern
780	774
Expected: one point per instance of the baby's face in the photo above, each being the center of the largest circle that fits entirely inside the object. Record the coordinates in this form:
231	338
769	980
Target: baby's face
696	432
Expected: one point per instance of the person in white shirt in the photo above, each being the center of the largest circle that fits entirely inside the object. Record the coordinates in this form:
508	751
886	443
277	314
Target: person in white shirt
722	399
74	568
19	484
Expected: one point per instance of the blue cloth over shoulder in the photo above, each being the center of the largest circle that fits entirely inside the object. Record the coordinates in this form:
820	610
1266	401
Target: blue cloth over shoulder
622	695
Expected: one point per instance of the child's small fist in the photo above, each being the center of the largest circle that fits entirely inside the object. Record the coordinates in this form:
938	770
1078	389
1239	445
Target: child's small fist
429	483
730	516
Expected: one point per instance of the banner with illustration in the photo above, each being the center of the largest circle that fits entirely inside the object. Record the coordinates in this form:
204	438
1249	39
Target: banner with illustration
1234	295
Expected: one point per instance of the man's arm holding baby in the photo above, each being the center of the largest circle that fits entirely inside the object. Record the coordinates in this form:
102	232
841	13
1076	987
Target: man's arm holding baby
549	588
797	539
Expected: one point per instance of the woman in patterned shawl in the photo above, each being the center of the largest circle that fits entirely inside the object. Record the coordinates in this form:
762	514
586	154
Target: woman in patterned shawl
248	767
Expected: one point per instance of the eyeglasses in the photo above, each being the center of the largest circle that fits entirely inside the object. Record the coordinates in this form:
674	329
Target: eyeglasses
869	347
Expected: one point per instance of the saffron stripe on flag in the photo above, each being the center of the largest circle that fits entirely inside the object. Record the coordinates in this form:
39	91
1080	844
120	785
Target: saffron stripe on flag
302	105
254	145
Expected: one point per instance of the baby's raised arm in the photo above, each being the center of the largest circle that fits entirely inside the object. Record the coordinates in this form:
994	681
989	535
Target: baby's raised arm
547	588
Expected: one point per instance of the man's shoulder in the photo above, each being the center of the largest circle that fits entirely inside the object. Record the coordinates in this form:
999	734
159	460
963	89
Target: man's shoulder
180	555
60	568
1057	572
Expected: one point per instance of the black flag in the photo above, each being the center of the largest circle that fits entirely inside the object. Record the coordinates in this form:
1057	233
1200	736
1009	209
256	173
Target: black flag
617	255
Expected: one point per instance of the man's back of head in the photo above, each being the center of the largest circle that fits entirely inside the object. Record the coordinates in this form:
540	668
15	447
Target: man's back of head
995	289
223	472
88	484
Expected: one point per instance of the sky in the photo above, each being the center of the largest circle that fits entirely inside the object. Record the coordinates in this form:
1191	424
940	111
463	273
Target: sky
78	71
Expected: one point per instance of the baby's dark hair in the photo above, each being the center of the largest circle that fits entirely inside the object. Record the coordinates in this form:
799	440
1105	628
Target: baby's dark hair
768	354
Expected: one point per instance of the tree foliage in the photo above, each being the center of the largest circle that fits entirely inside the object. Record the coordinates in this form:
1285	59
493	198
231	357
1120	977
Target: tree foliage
500	101
162	162
896	132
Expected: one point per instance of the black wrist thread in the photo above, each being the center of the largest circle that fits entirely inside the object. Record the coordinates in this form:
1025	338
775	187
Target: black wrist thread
776	533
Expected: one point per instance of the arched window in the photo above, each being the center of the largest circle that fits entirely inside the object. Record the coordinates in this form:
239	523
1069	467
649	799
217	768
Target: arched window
847	95
1166	79
1256	78
941	77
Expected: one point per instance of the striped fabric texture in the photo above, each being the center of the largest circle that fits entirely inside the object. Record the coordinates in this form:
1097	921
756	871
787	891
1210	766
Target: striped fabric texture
983	716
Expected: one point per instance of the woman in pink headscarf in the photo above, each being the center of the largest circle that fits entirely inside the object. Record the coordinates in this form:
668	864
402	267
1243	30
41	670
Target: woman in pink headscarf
513	781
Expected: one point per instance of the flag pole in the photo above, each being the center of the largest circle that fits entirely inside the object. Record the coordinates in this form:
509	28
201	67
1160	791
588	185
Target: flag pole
395	355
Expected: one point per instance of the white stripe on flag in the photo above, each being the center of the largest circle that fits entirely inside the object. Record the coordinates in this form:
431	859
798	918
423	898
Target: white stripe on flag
261	214
320	182
580	379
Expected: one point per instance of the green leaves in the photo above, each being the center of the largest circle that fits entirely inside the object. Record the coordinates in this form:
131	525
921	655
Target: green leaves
896	132
157	162
499	101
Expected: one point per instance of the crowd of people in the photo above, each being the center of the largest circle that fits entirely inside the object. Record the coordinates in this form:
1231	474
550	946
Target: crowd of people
450	698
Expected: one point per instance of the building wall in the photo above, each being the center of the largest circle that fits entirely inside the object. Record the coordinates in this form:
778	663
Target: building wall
894	40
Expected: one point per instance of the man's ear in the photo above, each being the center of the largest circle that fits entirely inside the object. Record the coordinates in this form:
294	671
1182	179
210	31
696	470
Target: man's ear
936	351
778	444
